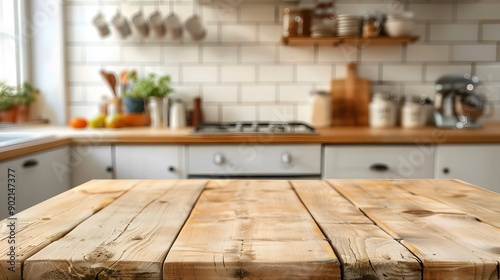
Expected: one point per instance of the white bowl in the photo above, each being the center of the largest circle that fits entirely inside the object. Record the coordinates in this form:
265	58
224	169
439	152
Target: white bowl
395	28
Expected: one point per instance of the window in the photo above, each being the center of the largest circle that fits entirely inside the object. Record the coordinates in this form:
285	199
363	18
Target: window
12	43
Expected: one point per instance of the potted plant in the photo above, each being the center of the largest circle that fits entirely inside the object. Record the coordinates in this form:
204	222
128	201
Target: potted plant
153	88
25	96
7	103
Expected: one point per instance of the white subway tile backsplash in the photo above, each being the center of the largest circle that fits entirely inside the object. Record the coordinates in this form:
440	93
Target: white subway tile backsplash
270	33
76	54
220	54
454	32
181	54
275	73
142	54
199	74
239	33
102	54
491	32
243	72
434	72
256	54
296	54
83	111
231	113
258	93
428	53
478	11
382	53
402	73
237	73
256	12
84	74
172	71
295	93
220	94
488	72
276	113
341	53
474	52
314	73
431	11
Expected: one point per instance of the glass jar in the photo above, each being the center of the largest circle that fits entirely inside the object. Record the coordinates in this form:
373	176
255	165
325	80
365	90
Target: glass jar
321	109
382	110
413	113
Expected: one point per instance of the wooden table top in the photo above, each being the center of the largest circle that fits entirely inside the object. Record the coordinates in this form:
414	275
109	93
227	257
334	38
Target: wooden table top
199	229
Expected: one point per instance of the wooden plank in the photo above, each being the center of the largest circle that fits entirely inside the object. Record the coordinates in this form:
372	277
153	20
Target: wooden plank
365	251
450	243
129	239
46	222
250	229
480	203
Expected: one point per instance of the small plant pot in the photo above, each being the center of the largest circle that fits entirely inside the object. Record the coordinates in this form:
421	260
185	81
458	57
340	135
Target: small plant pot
8	116
133	105
23	113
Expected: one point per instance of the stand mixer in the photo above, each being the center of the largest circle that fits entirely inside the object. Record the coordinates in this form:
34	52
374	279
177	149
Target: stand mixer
457	104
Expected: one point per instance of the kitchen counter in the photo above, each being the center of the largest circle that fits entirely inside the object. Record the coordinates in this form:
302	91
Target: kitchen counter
194	229
335	135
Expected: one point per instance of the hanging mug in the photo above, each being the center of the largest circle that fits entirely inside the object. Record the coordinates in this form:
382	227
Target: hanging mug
140	23
121	25
157	24
100	23
194	26
174	26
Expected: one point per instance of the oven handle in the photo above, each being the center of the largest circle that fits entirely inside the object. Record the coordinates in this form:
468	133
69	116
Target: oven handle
256	177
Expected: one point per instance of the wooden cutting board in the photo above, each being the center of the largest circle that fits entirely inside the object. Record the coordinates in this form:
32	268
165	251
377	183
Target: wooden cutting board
350	99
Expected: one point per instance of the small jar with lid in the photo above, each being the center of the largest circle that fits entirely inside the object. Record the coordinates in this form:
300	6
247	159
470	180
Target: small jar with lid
413	113
320	109
382	110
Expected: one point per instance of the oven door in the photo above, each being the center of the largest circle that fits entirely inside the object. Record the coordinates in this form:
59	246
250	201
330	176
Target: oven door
246	161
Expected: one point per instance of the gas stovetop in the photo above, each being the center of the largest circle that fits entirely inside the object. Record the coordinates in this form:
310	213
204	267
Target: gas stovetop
254	127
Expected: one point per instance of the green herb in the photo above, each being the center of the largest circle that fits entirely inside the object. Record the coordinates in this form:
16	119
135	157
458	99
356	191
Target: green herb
7	99
26	94
150	86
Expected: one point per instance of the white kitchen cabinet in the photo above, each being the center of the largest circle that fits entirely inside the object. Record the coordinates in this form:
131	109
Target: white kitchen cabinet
90	162
38	176
149	162
478	164
378	162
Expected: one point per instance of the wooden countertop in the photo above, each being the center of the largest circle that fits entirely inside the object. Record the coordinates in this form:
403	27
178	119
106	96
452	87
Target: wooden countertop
335	135
194	229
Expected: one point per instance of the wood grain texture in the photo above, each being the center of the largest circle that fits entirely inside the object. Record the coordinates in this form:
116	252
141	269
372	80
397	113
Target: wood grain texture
46	222
129	239
365	251
480	203
251	230
450	243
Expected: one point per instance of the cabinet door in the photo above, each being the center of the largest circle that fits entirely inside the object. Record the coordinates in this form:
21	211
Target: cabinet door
90	162
149	162
37	177
378	162
475	164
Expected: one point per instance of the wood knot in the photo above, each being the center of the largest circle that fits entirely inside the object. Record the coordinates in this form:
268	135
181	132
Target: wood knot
137	237
419	212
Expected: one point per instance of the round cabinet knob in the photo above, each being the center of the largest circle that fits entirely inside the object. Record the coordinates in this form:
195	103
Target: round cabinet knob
219	159
446	170
171	169
286	158
109	169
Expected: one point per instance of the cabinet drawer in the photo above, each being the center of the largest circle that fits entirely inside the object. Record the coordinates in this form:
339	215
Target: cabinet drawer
248	159
378	162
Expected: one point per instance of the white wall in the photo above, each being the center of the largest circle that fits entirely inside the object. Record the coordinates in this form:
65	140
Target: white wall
242	71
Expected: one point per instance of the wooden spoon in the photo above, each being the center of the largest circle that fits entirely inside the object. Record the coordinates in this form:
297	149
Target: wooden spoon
110	79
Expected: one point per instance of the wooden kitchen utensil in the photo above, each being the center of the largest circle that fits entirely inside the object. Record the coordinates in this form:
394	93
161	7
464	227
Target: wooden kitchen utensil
350	99
110	79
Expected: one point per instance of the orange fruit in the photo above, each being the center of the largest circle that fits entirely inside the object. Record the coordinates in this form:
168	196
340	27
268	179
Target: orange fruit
78	123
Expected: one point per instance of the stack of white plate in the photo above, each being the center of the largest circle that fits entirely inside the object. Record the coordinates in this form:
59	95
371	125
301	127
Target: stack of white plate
348	25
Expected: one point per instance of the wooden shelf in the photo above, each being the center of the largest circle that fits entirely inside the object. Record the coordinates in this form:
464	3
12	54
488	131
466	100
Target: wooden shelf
336	41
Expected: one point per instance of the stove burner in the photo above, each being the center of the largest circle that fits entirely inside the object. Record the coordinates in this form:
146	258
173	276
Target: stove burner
254	127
